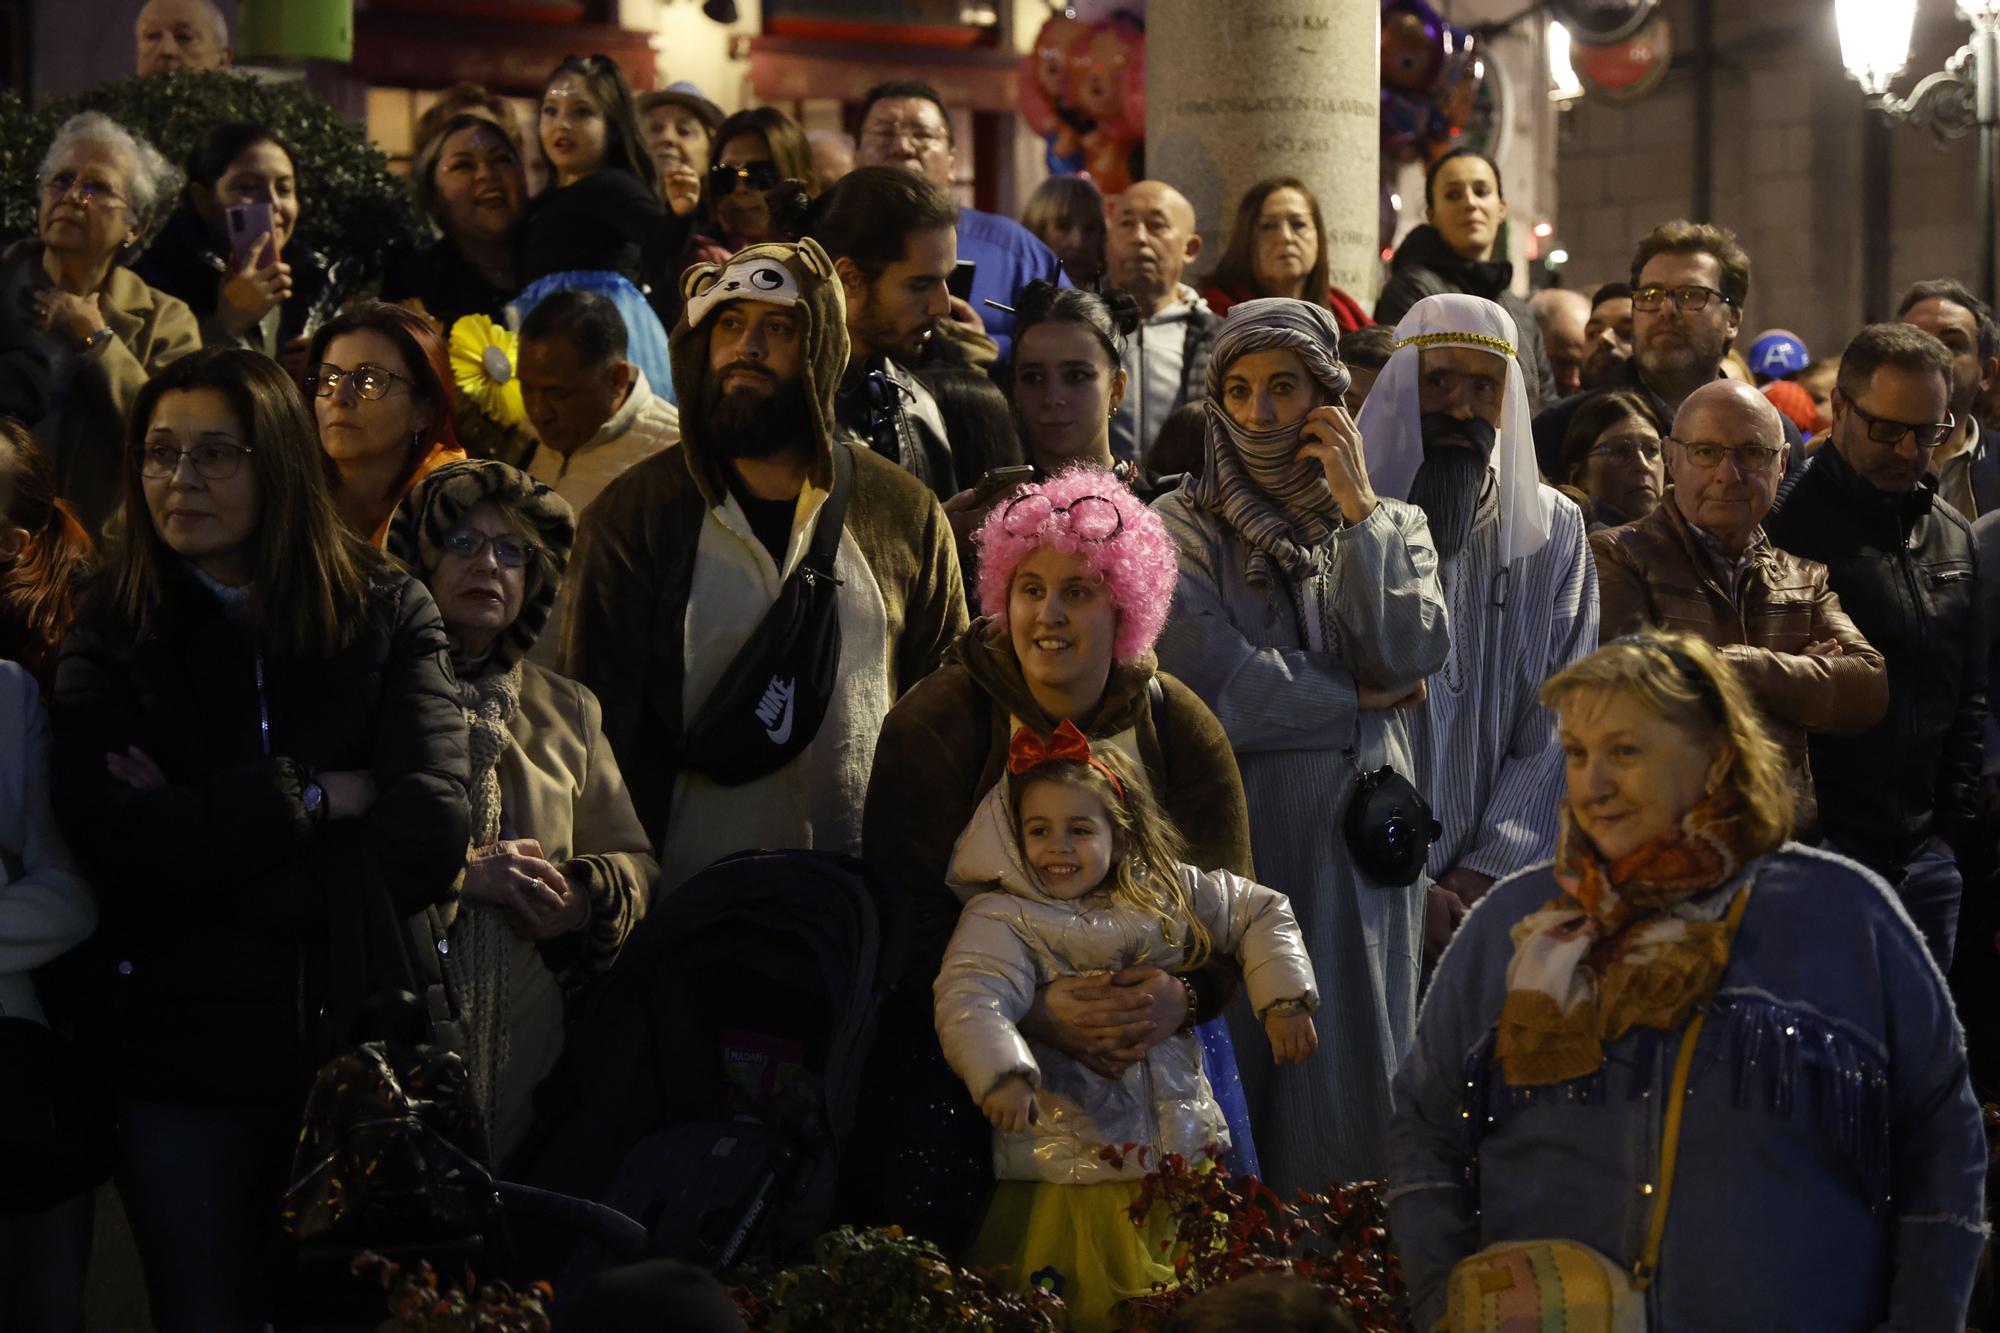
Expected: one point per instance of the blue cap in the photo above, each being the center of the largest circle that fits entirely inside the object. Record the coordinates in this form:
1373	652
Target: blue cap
1778	356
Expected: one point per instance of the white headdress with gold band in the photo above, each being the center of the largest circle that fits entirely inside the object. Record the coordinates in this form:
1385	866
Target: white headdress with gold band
1391	421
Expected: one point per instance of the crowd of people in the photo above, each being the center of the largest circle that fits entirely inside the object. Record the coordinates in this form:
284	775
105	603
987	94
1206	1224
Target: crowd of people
1501	749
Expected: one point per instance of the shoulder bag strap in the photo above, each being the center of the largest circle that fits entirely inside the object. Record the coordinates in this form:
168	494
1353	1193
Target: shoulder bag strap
1670	1141
832	515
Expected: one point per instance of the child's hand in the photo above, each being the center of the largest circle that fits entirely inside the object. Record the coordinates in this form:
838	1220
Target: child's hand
1292	1036
1011	1104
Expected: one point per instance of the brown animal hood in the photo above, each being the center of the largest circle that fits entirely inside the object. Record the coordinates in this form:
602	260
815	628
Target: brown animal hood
799	276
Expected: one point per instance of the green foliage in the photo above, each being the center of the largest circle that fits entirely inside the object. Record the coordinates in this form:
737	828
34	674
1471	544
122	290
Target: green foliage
420	1303
350	203
883	1281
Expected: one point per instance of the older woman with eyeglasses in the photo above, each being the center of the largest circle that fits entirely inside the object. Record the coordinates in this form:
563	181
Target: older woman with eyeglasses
1074	579
1699	1070
78	315
382	392
1611	452
560	869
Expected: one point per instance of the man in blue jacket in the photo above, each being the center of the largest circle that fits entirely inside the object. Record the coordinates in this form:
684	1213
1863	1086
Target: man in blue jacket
904	124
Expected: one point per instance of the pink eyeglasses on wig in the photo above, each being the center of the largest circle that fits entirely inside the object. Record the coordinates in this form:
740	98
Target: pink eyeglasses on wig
1087	512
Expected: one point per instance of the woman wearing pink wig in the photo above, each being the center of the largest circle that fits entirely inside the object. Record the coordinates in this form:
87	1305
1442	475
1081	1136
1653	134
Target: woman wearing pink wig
1075	578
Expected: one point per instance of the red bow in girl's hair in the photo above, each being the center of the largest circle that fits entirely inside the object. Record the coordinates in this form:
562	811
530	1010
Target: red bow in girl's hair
1028	751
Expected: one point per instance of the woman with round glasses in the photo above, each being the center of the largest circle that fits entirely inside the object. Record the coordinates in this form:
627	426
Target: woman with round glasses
560	868
382	392
81	318
1075	575
1308	615
1611	452
259	757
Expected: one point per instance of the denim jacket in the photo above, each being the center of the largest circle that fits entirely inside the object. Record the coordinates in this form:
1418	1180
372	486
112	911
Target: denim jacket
1831	1156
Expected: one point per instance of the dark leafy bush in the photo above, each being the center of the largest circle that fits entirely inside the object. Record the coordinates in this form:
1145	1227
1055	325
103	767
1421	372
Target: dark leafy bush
883	1281
1228	1227
350	203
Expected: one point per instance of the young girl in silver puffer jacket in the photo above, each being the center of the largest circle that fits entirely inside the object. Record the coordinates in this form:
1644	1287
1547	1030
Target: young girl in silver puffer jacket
1070	868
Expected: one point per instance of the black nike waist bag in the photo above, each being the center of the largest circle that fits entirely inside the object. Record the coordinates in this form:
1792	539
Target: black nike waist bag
774	694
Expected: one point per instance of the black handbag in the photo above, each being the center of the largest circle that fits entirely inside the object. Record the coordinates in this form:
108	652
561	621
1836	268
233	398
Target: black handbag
57	1119
1388	825
773	696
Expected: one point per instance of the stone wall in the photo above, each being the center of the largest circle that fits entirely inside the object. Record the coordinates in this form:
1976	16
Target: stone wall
1787	170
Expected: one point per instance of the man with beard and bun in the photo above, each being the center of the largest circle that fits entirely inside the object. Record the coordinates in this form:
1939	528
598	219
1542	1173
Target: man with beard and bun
1689	282
1446	427
728	736
893	236
1607	337
1967	463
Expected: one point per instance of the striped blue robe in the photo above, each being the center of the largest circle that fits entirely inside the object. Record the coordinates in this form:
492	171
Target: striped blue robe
1493	771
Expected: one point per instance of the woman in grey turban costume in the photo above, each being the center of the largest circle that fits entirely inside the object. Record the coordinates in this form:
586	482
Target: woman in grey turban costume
1307	616
559	868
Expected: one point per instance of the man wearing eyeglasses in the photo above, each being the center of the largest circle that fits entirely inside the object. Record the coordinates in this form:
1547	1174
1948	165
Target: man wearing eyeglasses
1689	282
1701	564
1895	797
904	124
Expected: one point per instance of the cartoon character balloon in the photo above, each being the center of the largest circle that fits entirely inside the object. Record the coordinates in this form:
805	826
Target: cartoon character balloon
1045	93
1083	89
1430	78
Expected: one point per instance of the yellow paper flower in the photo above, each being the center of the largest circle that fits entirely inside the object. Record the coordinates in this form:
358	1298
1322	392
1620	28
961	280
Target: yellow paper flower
482	362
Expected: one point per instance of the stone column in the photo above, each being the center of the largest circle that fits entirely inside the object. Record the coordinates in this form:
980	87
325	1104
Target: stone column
1253	88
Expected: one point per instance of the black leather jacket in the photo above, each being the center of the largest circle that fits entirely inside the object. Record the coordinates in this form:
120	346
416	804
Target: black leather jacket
1905	569
886	408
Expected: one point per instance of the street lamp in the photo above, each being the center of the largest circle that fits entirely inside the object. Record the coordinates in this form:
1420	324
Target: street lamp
1965	94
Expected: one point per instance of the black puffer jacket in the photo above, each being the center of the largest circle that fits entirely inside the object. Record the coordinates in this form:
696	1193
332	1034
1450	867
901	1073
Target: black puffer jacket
1425	265
221	897
1904	567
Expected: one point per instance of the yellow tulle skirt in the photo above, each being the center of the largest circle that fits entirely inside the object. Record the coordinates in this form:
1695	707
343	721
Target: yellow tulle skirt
1077	1241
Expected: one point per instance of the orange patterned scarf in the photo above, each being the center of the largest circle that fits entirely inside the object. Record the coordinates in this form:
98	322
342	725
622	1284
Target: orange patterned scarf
1607	956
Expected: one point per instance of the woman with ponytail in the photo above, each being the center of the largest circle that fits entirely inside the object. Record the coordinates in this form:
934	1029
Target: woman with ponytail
44	554
1066	381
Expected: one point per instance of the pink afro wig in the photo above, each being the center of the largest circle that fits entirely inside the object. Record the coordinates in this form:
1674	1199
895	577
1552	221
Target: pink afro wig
1138	567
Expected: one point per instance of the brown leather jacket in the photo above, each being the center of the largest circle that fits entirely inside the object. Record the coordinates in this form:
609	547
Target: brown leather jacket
1652	573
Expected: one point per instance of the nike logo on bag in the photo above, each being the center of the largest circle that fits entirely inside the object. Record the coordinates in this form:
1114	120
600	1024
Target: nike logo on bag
774	710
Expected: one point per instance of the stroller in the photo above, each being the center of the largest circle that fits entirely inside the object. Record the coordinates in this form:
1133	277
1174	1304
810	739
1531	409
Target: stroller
710	1083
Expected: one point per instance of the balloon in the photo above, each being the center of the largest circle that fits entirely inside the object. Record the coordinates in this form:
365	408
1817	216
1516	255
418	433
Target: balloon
1045	75
1412	50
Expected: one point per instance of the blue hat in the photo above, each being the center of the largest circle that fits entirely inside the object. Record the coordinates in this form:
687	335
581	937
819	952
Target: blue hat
1778	355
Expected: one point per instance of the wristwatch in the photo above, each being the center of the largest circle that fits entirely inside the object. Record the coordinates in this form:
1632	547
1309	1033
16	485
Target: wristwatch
314	799
93	341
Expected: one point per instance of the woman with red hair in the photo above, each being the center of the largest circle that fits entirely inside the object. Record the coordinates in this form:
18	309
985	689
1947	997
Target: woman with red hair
1075	577
381	382
44	555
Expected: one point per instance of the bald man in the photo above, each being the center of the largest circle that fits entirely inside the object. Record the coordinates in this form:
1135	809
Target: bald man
181	34
1561	315
1701	564
1148	245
